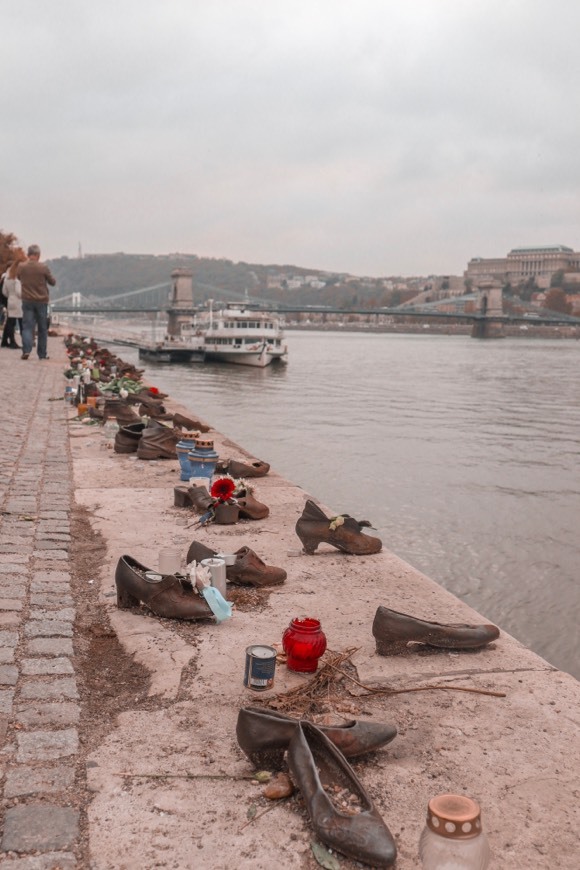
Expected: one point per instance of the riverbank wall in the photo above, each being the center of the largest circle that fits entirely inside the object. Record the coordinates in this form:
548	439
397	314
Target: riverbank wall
119	746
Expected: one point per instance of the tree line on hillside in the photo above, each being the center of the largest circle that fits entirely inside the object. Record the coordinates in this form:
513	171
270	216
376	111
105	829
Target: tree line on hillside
99	276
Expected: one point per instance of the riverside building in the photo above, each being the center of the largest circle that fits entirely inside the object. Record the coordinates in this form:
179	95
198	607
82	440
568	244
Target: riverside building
521	264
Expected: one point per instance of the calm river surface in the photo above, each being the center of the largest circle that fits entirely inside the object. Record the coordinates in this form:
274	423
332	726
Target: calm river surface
464	454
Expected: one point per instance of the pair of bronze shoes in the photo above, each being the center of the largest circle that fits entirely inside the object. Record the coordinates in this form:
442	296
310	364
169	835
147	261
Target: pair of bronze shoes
164	594
153	440
317	760
343	532
397	633
247	570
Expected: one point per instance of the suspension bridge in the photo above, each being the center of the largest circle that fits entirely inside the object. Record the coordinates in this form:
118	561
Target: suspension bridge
486	309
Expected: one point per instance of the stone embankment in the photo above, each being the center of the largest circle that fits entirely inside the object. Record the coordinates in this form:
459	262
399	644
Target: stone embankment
118	727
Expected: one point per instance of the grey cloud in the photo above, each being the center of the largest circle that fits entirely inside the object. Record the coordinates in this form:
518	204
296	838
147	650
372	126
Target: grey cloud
373	137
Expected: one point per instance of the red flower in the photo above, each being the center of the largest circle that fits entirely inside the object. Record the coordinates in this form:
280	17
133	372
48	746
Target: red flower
223	489
153	390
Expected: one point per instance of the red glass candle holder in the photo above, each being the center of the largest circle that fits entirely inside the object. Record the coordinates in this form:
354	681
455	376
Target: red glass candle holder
303	642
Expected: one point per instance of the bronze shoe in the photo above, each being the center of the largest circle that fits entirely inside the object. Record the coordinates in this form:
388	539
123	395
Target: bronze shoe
199	498
189	423
158	441
393	632
125	415
163	594
264	736
243	469
145	394
128	437
314	527
251	508
155	409
248	569
315	764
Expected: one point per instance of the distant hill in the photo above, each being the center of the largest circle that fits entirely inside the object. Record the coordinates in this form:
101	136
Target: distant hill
96	276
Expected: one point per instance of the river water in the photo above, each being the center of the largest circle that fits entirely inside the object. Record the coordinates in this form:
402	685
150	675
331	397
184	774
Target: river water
463	454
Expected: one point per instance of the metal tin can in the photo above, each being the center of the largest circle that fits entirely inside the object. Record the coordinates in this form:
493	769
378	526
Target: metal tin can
260	667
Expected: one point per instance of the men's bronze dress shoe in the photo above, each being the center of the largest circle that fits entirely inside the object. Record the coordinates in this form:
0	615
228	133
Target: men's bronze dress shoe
343	532
264	735
243	470
317	767
248	569
164	594
393	632
158	441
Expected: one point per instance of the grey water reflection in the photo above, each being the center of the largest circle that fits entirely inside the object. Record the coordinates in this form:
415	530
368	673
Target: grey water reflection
464	454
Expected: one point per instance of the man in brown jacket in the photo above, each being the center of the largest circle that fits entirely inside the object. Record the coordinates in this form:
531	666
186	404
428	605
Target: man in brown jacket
35	278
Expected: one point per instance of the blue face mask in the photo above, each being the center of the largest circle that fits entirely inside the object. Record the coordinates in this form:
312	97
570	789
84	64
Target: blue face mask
218	605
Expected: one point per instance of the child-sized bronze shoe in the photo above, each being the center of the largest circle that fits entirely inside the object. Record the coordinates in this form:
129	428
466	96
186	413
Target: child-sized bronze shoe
393	632
343	532
164	594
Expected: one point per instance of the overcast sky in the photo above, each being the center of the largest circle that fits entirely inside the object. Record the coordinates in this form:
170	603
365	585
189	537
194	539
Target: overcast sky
369	136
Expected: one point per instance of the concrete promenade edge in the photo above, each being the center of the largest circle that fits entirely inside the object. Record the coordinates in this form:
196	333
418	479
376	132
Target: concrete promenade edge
117	728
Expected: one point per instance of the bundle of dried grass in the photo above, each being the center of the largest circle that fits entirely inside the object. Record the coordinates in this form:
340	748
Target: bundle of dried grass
318	692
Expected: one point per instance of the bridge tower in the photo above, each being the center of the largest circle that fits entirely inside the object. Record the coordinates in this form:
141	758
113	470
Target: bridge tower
180	307
489	318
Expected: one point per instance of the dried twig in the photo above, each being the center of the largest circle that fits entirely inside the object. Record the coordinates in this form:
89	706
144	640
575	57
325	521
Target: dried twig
372	690
267	810
306	697
185	776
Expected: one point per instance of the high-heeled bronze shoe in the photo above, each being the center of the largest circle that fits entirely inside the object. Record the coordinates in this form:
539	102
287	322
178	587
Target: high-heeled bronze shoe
164	594
342	532
393	632
264	736
318	767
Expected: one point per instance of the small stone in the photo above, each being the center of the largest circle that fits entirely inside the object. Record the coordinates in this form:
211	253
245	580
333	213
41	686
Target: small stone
280	787
38	826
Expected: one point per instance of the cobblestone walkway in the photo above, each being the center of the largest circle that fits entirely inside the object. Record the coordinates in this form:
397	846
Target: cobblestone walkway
39	710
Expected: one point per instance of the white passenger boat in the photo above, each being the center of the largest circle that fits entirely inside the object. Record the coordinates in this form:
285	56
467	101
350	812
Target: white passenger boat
242	336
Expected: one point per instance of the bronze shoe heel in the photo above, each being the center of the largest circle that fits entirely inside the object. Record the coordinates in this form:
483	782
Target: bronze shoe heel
125	600
309	545
391	648
181	497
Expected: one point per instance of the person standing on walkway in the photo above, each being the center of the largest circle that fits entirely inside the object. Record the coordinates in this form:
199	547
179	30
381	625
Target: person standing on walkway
12	289
35	278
